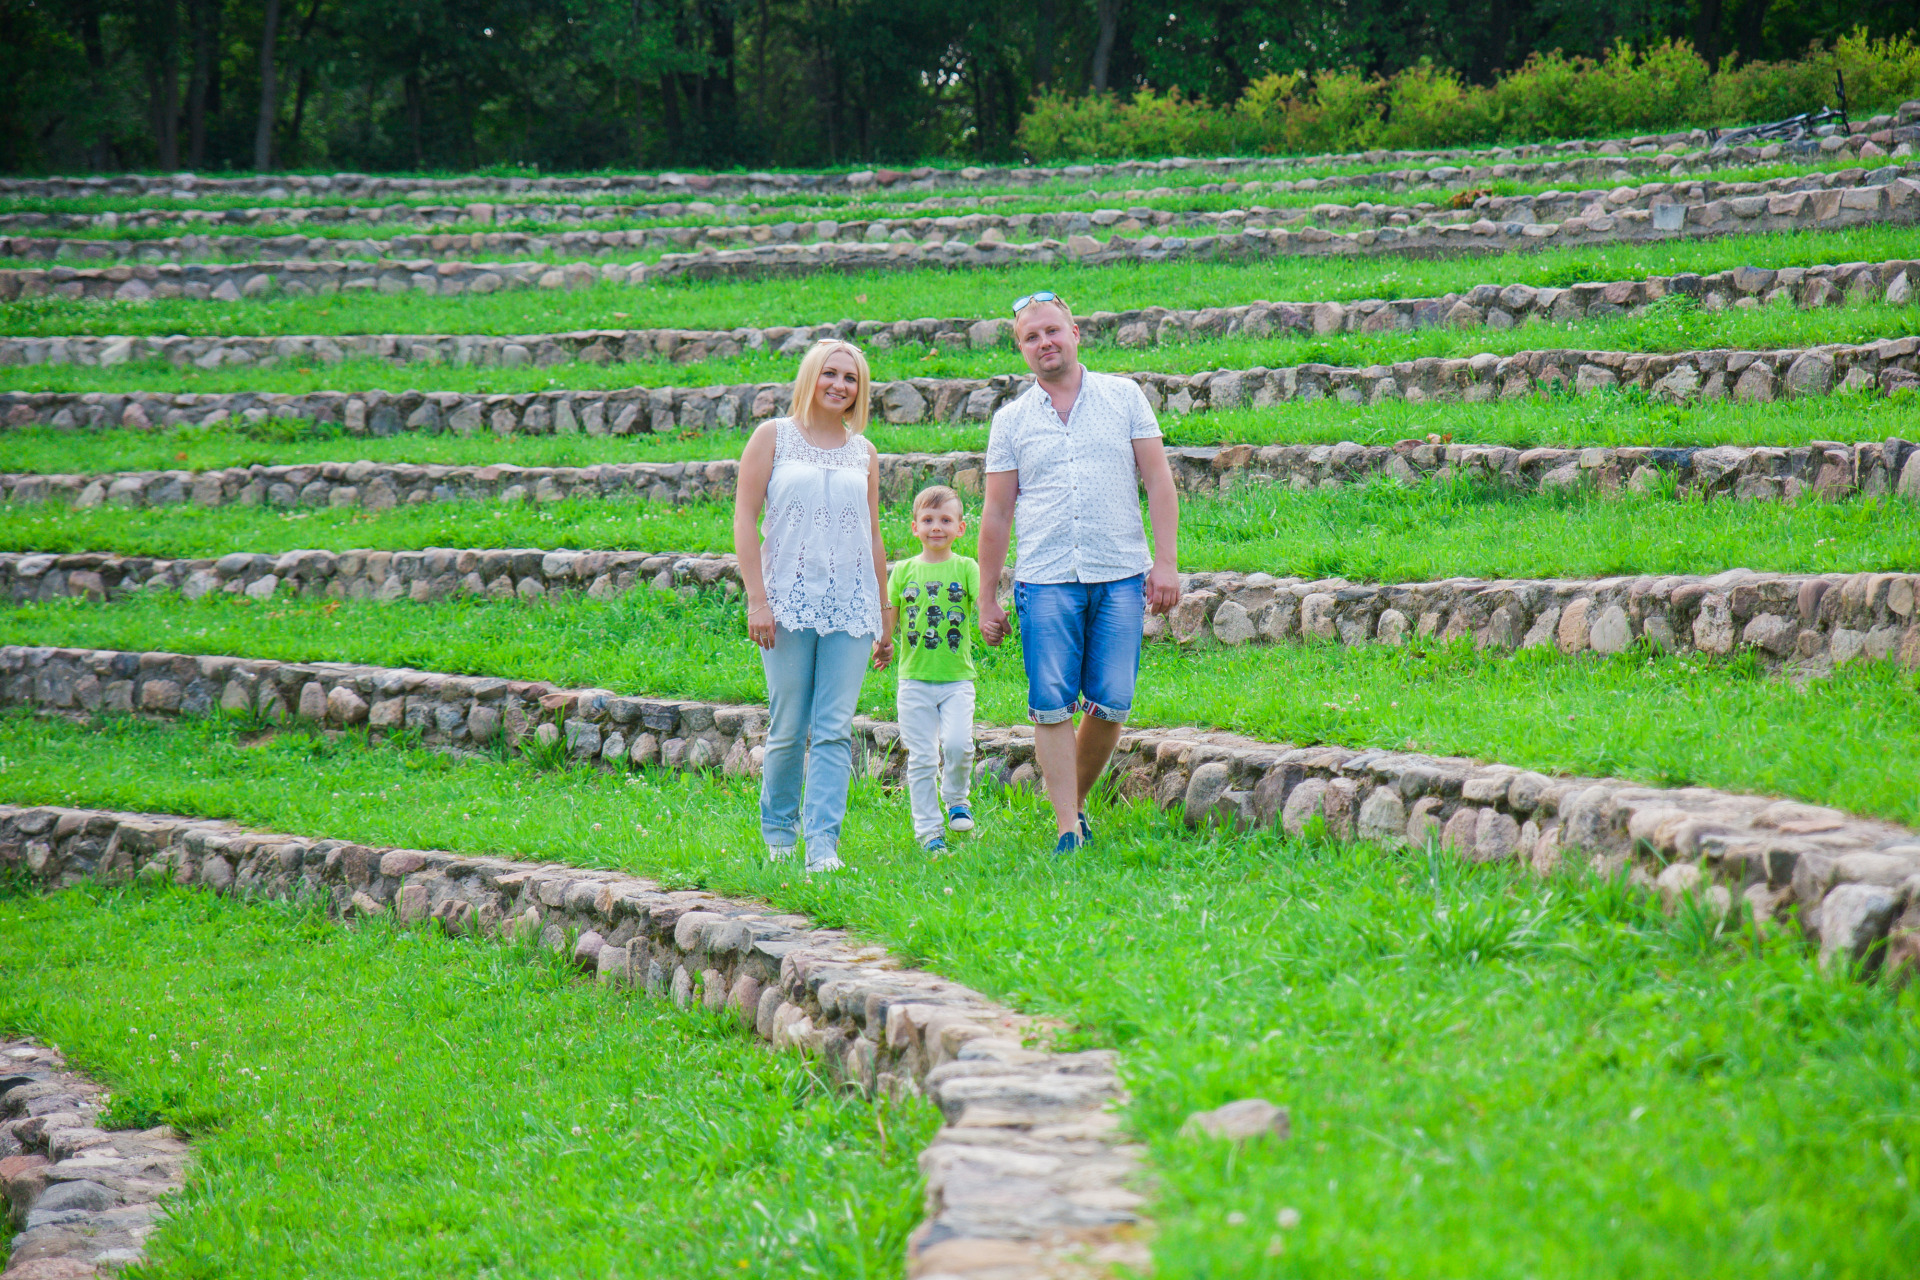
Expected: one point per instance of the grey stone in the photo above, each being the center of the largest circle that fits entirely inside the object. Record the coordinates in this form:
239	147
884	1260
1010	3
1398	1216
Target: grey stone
1239	1121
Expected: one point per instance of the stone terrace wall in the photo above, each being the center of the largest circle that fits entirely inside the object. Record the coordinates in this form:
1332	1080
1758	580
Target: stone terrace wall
448	216
1850	877
1546	207
1830	470
1888	365
1882	131
1814	619
874	1025
1494	306
1897	203
84	1198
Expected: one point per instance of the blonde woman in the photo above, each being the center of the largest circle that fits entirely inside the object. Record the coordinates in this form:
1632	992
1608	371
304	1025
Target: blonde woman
815	573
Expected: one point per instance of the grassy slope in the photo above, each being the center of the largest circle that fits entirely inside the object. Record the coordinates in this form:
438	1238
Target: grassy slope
886	296
1050	194
1377	532
1601	419
1487	1075
1055	196
374	1103
1669	721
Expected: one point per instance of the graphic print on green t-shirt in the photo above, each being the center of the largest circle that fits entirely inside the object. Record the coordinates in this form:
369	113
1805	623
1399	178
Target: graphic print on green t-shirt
937	617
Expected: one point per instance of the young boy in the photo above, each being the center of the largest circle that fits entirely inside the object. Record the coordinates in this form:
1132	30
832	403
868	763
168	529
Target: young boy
935	597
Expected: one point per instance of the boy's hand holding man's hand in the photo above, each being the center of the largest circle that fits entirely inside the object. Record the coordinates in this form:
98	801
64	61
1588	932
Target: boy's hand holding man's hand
993	621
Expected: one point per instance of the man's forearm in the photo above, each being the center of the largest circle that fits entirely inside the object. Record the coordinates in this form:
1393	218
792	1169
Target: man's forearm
1163	509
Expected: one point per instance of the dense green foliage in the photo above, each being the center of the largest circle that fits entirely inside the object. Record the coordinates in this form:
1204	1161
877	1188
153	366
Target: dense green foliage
526	85
1668	87
1485	1071
372	1102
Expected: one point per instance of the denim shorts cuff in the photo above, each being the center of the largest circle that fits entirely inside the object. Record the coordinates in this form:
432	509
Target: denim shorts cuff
1050	717
1117	715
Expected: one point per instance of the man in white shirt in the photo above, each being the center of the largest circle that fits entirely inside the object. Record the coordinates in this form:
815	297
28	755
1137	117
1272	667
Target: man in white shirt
1065	461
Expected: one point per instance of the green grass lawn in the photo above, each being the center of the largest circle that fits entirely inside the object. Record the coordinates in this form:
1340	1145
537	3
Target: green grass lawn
1604	418
372	1102
1376	532
889	296
1488	1075
1677	324
1665	720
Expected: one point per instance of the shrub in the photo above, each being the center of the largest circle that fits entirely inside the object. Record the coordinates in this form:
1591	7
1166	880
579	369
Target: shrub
1665	87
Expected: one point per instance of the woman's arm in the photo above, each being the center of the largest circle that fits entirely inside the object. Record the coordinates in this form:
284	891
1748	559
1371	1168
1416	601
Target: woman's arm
883	650
749	499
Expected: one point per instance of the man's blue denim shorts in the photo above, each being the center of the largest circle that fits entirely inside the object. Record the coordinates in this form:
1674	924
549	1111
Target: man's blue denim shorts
1081	645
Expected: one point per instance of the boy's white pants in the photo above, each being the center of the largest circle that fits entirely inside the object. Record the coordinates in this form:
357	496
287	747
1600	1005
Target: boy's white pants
936	723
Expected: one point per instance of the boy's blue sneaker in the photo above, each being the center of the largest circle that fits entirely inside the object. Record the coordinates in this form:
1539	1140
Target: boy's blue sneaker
1086	828
1069	842
959	818
936	845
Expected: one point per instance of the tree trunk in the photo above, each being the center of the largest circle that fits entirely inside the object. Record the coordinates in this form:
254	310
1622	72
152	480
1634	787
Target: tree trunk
200	22
1706	31
269	101
760	64
163	85
1043	38
1109	19
410	87
95	46
300	90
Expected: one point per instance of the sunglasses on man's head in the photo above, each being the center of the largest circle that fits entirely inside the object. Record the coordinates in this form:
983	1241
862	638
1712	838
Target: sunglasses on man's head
1021	304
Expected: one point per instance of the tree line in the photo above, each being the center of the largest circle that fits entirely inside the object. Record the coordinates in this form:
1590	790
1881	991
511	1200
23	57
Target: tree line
561	85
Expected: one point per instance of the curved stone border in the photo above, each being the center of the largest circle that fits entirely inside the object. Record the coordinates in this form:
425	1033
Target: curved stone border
1031	1168
1849	877
1680	377
1880	130
1544	207
83	1198
1830	470
1493	306
1896	203
1815	620
448	217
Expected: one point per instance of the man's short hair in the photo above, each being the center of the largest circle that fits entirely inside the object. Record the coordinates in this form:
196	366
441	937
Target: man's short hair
936	495
1066	312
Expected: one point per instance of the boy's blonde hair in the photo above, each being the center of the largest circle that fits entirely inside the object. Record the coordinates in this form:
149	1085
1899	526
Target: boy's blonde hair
805	382
936	495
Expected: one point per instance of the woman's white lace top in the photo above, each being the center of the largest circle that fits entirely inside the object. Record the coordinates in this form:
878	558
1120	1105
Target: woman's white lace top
816	537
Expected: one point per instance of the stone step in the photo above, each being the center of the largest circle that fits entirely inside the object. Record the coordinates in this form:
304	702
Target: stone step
1170	184
443	244
1851	878
1814	621
83	1196
1676	377
1132	240
1830	470
876	1025
1492	305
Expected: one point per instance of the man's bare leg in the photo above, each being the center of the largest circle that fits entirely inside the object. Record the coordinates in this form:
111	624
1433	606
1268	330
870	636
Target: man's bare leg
1094	748
1056	751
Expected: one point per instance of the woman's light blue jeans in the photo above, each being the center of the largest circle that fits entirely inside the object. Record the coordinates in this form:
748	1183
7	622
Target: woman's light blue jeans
813	686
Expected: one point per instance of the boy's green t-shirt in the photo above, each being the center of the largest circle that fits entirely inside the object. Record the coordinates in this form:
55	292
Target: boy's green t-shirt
937	617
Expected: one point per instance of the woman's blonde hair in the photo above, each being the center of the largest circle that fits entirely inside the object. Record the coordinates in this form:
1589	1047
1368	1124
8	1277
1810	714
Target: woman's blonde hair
808	379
